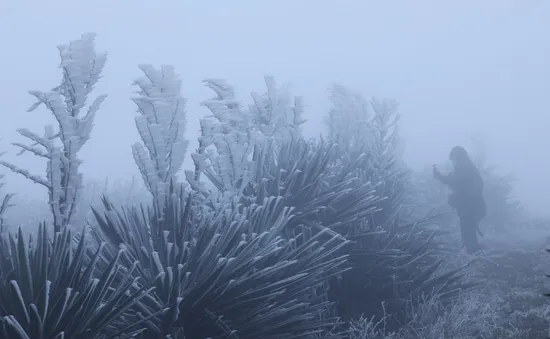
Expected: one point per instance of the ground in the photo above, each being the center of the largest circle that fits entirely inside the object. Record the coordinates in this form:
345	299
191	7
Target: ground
509	303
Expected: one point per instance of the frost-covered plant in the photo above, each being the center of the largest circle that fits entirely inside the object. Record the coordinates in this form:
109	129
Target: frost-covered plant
48	291
393	258
357	125
232	271
386	152
227	141
387	264
369	328
81	67
386	144
230	135
275	115
361	127
391	265
161	126
348	120
321	193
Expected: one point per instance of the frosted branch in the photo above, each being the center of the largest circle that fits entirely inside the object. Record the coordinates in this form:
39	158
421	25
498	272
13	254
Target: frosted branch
35	178
81	69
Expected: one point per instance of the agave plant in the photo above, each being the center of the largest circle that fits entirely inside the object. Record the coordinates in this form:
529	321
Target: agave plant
228	272
393	261
46	291
391	268
390	261
321	192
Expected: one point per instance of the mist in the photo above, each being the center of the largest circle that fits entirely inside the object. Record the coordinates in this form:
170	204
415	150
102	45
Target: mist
455	69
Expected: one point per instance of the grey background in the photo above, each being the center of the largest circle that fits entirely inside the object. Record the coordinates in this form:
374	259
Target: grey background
457	68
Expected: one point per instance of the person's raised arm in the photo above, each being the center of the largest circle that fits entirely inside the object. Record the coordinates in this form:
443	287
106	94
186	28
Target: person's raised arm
446	179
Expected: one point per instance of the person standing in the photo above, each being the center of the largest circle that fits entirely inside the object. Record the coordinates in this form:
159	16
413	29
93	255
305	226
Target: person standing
466	185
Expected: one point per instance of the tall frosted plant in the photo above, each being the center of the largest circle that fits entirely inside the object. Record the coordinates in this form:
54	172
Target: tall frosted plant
81	67
348	120
275	115
386	162
227	140
161	125
362	127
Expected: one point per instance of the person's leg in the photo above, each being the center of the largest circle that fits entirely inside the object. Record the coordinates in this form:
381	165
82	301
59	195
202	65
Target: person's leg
468	228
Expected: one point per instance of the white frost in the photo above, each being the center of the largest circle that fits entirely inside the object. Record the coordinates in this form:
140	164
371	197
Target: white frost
81	67
161	126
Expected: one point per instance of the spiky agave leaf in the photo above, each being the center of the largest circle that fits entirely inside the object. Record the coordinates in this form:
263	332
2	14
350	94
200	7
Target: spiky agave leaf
262	284
393	261
321	192
50	293
228	272
158	244
390	261
394	266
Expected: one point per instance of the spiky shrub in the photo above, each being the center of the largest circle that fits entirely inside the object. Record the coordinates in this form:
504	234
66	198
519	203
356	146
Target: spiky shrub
305	176
388	264
232	271
47	291
82	69
393	259
393	268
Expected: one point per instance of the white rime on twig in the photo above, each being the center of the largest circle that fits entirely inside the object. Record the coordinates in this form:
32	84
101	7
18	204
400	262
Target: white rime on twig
81	68
161	126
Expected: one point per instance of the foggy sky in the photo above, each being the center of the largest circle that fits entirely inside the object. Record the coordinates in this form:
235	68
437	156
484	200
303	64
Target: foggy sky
455	67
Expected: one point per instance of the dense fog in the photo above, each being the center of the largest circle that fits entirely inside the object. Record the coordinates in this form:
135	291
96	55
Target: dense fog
276	170
456	69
